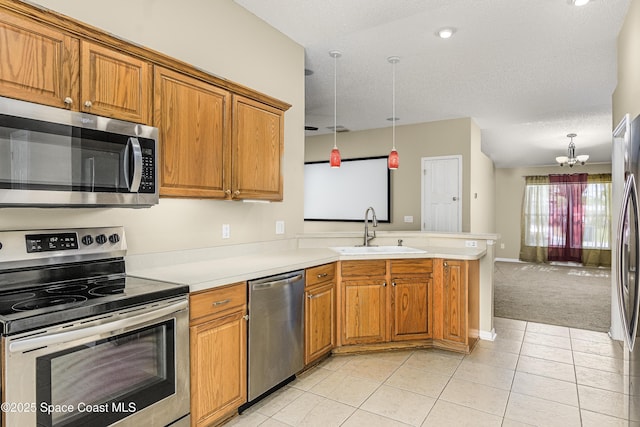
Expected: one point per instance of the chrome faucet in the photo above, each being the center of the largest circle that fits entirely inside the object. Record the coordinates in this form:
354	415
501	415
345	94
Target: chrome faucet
374	222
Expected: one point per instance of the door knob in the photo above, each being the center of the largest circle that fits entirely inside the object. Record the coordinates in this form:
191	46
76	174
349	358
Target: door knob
455	198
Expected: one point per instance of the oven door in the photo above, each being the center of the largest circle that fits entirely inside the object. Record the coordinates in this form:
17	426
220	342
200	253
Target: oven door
129	367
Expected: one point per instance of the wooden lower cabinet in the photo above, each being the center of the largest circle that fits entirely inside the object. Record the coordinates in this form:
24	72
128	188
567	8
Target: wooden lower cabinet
319	312
364	308
411	299
218	337
320	303
409	302
456	297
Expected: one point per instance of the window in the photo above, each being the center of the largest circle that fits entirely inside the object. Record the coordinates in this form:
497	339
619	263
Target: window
563	213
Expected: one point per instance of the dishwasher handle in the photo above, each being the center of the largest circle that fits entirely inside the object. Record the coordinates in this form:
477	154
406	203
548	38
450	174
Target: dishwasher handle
273	284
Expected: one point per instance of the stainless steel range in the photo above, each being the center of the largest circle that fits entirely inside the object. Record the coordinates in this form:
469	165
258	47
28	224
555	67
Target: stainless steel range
82	343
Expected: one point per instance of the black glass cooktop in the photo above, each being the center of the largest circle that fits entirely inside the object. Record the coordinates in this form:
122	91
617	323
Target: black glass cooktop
41	306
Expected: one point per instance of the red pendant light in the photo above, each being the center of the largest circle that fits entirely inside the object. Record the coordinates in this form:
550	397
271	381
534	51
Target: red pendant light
334	159
394	159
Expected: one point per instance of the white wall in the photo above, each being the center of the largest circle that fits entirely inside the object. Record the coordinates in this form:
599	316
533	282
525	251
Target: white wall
482	204
224	39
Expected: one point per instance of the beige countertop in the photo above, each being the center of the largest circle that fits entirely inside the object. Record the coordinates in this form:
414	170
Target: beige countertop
219	271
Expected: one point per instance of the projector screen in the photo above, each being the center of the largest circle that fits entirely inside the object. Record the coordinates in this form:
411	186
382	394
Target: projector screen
345	193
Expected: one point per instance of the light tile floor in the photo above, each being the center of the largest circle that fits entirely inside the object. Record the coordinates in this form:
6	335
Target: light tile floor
532	374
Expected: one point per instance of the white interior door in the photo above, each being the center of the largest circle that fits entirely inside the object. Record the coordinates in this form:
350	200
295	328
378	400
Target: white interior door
441	193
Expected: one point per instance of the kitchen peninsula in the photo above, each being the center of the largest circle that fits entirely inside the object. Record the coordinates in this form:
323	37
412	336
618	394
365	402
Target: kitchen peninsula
438	297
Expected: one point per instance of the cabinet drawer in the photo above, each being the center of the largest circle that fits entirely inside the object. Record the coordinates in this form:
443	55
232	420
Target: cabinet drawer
217	300
320	274
364	268
411	266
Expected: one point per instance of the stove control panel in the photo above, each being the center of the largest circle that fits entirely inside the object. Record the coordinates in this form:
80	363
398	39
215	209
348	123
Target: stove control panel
23	248
51	242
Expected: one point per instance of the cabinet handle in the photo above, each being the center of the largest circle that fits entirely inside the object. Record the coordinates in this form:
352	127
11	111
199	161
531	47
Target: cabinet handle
393	283
446	264
68	101
245	317
88	104
312	296
236	193
384	284
320	276
227	192
223	302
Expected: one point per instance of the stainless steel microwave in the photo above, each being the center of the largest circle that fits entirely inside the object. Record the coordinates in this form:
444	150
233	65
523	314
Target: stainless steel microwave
52	157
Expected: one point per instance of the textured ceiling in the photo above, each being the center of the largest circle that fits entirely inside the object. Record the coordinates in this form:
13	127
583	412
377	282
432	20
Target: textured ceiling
528	72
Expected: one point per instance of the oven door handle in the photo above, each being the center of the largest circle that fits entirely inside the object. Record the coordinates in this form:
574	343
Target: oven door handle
69	336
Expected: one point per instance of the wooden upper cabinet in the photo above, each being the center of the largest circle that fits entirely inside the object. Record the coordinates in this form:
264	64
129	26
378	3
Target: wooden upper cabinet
37	63
193	120
115	84
257	148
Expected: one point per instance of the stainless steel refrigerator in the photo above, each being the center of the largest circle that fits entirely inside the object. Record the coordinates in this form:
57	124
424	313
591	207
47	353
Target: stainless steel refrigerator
626	251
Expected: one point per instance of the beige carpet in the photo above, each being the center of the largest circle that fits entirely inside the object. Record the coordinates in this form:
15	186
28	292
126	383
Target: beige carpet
577	297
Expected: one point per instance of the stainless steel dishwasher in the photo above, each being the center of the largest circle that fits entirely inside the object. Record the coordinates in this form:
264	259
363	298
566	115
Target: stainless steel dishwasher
276	331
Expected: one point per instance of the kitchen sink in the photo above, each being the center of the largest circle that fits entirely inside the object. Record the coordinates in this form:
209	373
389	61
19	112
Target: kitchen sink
376	250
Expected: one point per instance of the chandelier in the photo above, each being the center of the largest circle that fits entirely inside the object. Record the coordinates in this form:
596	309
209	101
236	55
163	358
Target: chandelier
571	158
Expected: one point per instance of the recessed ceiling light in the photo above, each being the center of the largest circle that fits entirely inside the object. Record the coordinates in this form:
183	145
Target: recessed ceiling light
445	33
579	2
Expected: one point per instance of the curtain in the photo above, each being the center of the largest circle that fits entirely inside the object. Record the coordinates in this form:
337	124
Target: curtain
567	219
596	242
566	212
535	219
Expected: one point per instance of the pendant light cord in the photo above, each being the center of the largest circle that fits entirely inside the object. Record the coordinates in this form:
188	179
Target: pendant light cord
335	100
393	96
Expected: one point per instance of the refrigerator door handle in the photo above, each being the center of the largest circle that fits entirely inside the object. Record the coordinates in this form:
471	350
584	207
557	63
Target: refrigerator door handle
628	246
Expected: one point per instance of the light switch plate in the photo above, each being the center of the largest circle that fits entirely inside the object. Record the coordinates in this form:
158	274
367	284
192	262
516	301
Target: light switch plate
408	218
279	227
226	231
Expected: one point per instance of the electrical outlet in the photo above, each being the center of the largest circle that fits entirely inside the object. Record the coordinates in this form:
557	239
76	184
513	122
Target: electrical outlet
279	227
408	218
501	245
471	243
226	231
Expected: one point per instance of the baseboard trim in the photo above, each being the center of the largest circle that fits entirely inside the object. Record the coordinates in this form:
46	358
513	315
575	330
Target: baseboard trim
508	260
488	335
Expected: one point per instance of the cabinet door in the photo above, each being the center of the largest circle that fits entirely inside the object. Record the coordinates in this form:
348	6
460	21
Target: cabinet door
364	311
192	117
218	368
411	301
37	63
256	150
454	296
114	84
319	321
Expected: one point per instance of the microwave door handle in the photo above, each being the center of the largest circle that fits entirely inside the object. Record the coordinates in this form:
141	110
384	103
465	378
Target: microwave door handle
70	336
133	182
